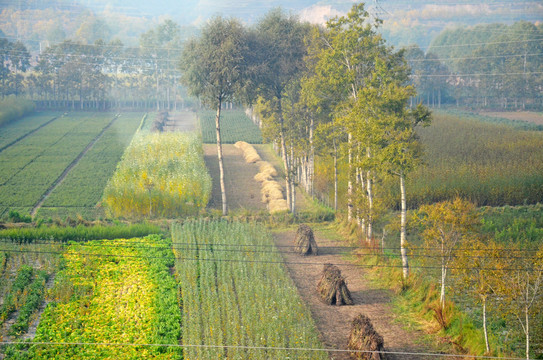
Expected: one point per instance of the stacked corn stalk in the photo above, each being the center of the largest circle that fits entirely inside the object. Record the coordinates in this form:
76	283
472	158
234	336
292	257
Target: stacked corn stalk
271	190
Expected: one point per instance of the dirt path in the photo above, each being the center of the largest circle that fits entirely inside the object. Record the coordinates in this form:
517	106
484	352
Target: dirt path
62	176
181	121
242	191
334	322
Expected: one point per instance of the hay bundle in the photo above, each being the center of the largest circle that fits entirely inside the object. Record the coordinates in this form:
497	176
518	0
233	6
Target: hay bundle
305	241
366	340
266	168
333	288
271	190
249	153
277	205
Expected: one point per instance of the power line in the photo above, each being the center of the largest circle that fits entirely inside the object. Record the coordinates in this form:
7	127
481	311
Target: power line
364	266
244	347
211	248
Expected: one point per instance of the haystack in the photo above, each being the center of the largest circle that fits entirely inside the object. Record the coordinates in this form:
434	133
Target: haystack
266	168
249	153
365	340
271	190
332	287
305	241
277	205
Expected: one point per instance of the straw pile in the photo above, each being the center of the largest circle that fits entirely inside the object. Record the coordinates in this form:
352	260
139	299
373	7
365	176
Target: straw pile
305	241
332	287
271	190
249	153
365	339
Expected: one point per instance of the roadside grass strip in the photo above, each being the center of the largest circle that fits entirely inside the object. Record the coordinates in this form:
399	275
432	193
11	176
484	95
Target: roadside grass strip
85	183
31	166
236	292
235	126
111	291
160	175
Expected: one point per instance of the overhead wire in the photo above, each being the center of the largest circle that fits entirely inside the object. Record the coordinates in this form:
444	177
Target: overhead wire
267	348
366	266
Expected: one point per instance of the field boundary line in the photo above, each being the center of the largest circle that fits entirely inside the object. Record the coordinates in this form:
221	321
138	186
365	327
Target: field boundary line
74	162
29	133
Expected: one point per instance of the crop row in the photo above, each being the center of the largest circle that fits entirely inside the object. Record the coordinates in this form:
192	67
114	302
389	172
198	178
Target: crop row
84	184
487	163
111	291
161	174
19	128
237	294
235	126
32	165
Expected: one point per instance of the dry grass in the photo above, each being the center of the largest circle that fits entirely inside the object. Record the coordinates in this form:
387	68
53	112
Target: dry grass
249	153
277	206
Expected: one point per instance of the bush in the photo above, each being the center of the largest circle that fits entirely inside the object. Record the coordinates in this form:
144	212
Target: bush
15	217
13	108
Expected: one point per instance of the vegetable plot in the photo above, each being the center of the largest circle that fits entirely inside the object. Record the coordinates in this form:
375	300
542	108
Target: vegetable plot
117	292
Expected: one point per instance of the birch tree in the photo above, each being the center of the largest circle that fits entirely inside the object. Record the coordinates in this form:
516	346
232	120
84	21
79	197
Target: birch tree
213	68
448	226
283	49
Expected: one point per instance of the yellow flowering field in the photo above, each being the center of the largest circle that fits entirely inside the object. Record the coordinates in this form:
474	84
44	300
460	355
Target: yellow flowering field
160	175
116	292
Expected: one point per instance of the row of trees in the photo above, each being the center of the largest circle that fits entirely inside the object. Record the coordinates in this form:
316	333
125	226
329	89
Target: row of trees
99	75
505	276
488	66
337	89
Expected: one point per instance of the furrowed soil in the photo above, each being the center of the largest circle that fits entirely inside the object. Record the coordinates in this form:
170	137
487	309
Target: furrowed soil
333	322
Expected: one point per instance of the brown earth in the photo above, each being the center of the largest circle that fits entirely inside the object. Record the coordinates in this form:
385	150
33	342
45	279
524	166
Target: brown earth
334	322
242	191
533	117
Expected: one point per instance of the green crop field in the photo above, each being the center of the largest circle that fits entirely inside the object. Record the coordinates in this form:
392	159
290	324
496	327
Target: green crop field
236	292
82	188
30	166
235	126
15	130
490	164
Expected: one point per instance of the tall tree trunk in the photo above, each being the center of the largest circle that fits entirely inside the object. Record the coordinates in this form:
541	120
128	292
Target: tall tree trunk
443	276
157	87
527	329
335	177
219	155
284	156
350	181
311	166
403	222
292	183
369	225
484	325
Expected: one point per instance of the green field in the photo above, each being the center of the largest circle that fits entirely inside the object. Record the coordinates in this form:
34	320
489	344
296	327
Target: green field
82	188
236	292
235	126
30	166
15	130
